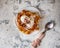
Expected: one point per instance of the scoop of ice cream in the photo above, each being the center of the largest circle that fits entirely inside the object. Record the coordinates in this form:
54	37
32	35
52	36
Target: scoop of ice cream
24	19
29	21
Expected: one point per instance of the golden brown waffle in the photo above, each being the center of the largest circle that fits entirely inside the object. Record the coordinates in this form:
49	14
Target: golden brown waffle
21	26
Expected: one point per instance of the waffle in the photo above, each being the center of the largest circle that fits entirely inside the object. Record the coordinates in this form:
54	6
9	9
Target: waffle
22	26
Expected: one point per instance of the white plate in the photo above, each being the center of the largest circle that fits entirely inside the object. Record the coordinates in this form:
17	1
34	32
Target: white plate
34	33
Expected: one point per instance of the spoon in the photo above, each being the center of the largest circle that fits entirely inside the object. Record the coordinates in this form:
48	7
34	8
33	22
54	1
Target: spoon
48	26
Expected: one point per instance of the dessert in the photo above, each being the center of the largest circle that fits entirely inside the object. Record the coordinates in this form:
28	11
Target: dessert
27	21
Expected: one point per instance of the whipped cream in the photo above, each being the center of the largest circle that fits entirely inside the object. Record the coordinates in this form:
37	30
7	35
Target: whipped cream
31	19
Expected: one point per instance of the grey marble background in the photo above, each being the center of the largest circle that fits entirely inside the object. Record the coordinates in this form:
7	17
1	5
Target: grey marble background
9	34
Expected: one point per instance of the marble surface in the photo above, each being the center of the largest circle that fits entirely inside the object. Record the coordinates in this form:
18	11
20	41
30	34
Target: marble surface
10	36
